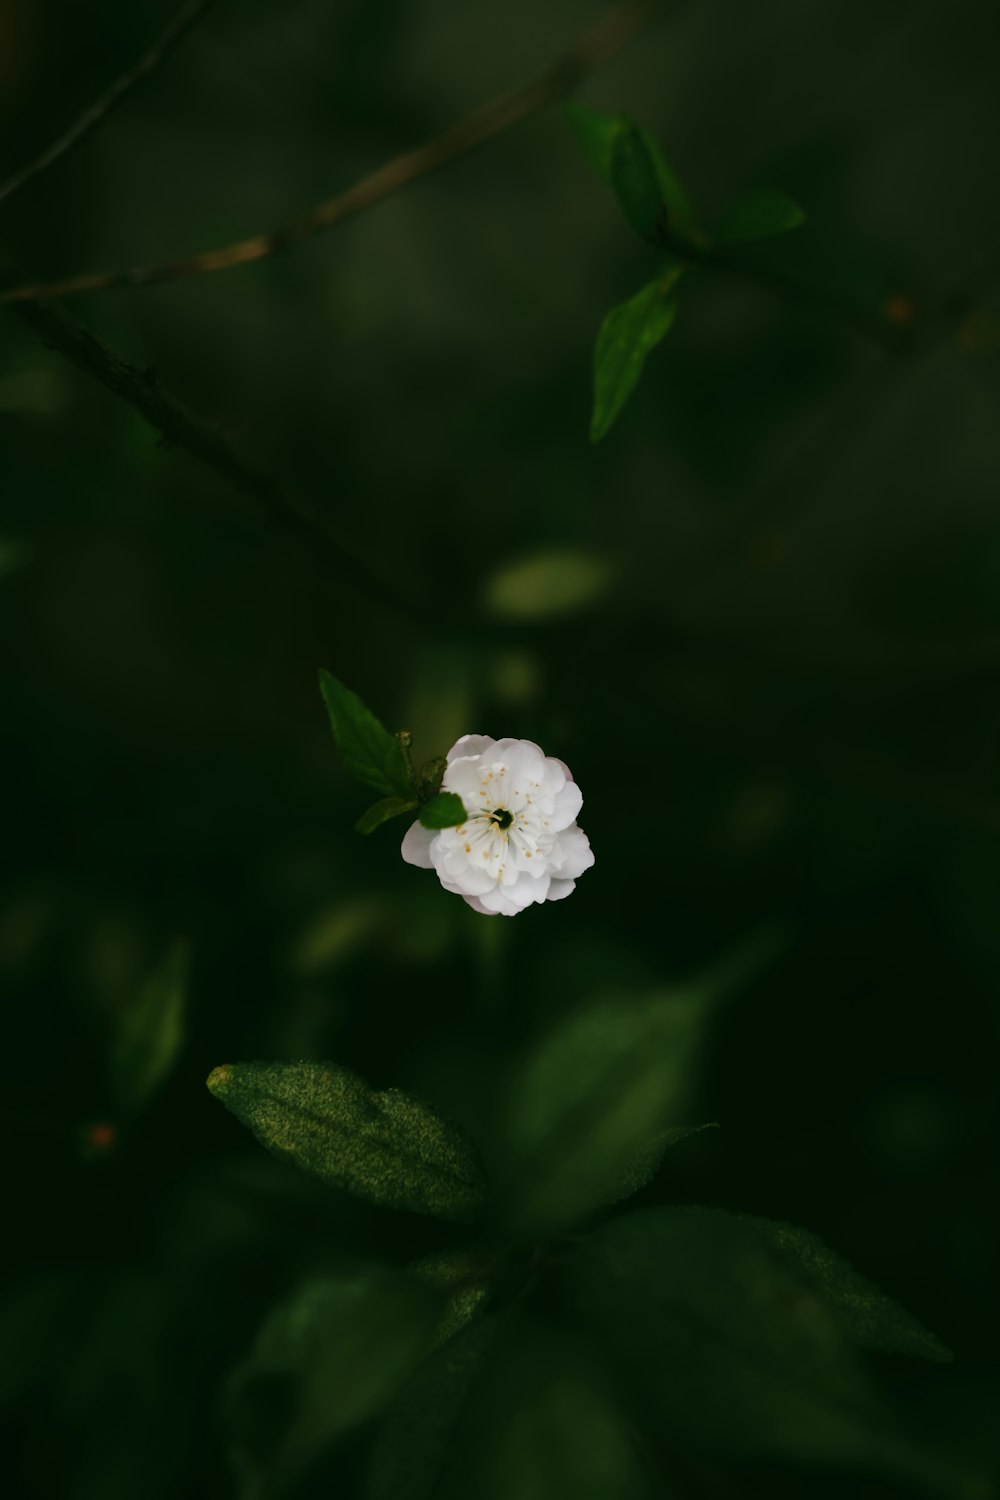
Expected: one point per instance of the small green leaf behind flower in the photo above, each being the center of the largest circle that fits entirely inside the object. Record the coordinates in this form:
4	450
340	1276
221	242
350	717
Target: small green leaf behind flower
366	747
759	215
628	334
444	810
382	1146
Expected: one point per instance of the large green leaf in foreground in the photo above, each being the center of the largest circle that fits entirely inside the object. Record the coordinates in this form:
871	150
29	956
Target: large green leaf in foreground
380	1145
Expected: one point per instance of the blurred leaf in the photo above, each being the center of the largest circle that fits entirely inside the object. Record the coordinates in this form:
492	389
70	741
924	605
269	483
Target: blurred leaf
150	1032
682	220
596	133
38	1317
416	1444
444	810
327	1359
758	216
331	935
871	1318
461	1274
382	1146
552	1428
635	179
646	1162
367	749
627	335
587	1114
381	812
548	583
732	1350
13	555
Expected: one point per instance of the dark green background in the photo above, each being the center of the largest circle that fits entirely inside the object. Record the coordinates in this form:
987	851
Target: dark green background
783	713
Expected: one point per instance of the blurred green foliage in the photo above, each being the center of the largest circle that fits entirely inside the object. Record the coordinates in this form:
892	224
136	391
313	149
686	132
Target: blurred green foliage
760	624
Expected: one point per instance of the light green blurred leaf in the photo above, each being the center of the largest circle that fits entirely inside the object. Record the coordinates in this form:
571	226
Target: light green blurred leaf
758	216
874	1320
635	179
416	1450
382	1146
150	1032
381	812
596	132
734	1353
627	335
550	1428
325	1360
444	810
590	1110
367	749
548	583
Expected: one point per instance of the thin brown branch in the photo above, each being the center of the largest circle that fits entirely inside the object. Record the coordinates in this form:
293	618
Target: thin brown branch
179	427
595	47
176	28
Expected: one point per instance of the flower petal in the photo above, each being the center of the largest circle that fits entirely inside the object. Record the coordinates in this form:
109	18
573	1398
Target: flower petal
470	744
558	889
416	846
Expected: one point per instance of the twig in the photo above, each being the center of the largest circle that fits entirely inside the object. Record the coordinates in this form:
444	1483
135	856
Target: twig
177	425
595	47
179	24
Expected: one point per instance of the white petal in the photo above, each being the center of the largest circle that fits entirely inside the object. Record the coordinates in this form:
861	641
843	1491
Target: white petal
572	854
477	905
566	806
498	901
560	888
416	846
470	744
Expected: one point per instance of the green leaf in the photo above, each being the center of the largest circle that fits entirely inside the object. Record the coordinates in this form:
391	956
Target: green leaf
444	810
681	217
596	133
381	812
588	1113
382	1146
555	582
627	335
417	1448
758	216
325	1360
645	1163
461	1274
871	1318
367	749
635	179
733	1352
551	1428
150	1032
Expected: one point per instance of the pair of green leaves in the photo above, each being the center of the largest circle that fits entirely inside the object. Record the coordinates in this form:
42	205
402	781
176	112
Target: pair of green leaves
657	206
382	761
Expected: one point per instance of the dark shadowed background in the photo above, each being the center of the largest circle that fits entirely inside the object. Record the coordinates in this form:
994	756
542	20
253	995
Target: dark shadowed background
761	621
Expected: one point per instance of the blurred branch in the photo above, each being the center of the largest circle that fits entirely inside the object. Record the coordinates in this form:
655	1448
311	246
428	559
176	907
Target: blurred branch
141	390
595	47
176	28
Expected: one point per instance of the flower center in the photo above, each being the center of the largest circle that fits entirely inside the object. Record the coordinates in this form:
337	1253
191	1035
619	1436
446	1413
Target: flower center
502	818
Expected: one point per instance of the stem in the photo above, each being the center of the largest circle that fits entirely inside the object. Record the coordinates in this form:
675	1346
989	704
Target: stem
176	28
595	47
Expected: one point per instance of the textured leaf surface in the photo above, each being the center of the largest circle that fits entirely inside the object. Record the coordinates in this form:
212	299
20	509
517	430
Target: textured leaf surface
381	812
733	1351
459	1275
874	1320
589	1112
444	810
328	1358
758	216
382	1146
627	335
367	749
150	1033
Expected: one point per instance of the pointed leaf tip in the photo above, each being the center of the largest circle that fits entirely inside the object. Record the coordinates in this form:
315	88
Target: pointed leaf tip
218	1078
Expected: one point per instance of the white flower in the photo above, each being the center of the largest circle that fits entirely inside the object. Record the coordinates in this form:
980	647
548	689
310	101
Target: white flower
519	843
